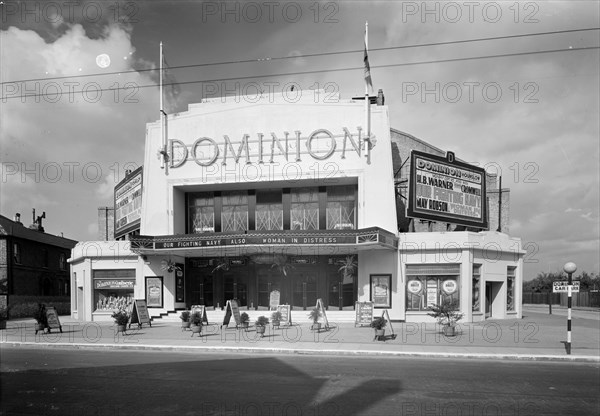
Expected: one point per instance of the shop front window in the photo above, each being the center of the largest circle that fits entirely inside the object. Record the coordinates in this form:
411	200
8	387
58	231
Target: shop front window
341	208
305	209
476	288
202	213
235	211
431	284
113	289
269	210
510	288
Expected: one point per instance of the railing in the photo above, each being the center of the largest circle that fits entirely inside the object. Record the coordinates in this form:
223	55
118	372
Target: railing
583	299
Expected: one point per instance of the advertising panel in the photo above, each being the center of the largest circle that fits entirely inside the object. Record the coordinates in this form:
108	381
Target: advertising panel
445	190
128	203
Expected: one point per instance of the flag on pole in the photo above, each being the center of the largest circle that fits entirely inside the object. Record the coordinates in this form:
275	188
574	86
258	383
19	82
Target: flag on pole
368	80
172	90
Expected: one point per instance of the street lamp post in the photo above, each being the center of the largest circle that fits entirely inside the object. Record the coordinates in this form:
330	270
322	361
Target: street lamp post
569	268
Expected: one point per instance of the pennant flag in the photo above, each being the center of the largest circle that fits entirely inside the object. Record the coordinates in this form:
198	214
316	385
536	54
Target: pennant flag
367	66
172	90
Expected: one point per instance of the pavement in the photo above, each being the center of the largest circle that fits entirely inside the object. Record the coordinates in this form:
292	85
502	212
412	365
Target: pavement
538	336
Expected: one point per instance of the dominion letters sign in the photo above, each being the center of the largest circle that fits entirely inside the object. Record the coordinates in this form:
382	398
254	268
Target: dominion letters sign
445	190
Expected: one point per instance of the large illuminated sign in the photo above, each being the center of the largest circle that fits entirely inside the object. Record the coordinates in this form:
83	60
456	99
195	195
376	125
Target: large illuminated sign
128	203
446	190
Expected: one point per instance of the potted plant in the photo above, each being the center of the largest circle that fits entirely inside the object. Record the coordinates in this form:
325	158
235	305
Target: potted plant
261	324
314	315
447	315
40	318
121	318
276	318
245	320
378	324
196	323
185	319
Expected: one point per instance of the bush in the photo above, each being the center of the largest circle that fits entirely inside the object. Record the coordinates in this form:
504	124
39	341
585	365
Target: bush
276	316
262	321
378	323
196	319
121	317
314	315
447	313
25	306
244	317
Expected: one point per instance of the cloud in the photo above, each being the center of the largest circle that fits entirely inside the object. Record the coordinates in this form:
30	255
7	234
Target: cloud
76	135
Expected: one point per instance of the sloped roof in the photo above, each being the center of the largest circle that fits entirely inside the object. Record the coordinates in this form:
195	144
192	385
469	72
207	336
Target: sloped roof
12	228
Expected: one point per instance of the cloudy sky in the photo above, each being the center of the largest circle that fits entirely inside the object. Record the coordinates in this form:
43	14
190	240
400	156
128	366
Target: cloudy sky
78	87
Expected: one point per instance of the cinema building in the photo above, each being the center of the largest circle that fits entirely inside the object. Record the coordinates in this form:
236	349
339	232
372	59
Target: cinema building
240	197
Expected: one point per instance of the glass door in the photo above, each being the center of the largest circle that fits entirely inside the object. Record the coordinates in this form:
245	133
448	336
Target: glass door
304	291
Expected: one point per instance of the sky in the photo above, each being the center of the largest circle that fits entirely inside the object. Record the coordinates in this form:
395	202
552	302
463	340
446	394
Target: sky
78	85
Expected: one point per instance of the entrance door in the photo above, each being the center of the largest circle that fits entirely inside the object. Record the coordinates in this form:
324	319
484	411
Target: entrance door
202	290
341	293
304	291
235	287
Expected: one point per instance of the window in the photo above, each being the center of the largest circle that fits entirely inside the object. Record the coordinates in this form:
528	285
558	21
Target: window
113	289
431	284
62	261
341	208
235	211
202	213
305	209
17	253
269	210
510	288
476	286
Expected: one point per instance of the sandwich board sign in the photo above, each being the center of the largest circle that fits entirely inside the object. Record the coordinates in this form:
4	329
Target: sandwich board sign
139	313
201	309
286	314
364	313
232	309
561	286
52	318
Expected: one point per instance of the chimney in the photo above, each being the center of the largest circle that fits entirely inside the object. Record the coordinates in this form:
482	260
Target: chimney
18	218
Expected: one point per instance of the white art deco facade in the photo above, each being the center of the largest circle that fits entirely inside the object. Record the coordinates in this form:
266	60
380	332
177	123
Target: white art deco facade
266	195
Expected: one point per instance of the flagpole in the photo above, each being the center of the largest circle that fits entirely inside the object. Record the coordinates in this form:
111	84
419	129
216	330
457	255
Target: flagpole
162	125
367	104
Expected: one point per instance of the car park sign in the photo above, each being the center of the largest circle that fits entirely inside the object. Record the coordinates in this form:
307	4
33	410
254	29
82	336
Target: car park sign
562	285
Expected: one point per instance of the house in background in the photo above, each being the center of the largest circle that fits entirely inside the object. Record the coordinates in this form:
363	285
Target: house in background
32	262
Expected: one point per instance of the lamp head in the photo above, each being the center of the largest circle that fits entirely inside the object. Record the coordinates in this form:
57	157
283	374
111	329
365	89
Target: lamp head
570	267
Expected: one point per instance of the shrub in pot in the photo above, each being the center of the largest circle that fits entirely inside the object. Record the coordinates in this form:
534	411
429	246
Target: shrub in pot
121	318
185	319
315	315
244	320
378	324
261	324
196	323
276	318
447	315
40	318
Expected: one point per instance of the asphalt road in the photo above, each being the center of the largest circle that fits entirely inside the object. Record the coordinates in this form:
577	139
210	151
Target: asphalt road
110	383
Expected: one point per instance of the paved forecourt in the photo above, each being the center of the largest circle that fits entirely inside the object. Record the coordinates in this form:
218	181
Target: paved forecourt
538	336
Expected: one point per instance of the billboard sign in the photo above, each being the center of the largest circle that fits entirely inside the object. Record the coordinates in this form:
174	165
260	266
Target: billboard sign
446	190
128	203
